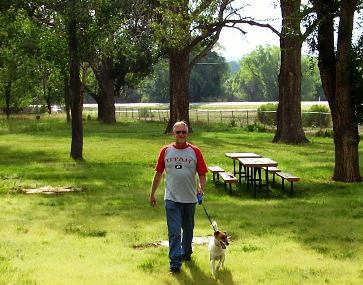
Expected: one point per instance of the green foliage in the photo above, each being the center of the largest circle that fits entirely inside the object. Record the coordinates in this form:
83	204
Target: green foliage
32	56
255	127
233	123
156	86
145	113
317	116
17	75
206	81
257	80
207	77
324	133
266	114
179	24
257	77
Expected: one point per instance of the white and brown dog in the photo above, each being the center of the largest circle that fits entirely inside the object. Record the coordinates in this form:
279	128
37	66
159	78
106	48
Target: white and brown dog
217	247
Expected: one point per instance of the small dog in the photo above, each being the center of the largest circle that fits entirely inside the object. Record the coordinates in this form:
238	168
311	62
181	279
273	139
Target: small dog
217	247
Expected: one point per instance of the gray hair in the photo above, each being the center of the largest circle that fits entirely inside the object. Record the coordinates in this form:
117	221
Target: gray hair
180	123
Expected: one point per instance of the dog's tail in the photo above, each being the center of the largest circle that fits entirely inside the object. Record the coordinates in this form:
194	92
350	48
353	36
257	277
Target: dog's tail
215	226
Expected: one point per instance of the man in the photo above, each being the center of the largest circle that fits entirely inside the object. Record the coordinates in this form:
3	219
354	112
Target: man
181	162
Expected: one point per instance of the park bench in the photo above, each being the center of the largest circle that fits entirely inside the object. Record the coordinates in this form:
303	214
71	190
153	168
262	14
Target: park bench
272	170
215	170
288	177
228	178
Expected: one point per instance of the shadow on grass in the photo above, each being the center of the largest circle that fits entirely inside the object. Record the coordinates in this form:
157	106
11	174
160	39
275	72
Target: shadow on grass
197	276
21	157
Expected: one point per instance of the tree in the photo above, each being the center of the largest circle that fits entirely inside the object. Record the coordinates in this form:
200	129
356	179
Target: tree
121	53
289	124
17	80
206	84
72	23
336	80
207	77
156	85
256	80
74	16
52	57
181	27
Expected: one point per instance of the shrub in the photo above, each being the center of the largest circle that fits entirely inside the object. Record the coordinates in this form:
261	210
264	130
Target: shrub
256	127
145	113
43	109
233	123
316	117
324	133
266	114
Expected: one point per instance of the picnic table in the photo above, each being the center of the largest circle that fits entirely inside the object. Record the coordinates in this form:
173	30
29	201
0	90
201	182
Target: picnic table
236	155
255	164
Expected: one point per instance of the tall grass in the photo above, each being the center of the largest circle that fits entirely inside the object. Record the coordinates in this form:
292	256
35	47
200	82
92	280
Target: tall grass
101	235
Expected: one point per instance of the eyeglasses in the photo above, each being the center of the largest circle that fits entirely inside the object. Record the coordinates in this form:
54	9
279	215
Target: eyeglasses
181	132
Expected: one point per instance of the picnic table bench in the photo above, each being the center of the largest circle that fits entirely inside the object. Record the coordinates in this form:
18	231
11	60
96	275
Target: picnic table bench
288	177
272	170
215	170
228	178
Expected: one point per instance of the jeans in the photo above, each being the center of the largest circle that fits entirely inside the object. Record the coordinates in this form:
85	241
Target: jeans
180	220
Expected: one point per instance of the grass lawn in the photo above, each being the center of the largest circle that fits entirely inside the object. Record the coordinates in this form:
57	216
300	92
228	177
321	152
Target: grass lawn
100	234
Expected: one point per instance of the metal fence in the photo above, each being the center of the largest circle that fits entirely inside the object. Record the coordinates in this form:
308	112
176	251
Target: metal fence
234	117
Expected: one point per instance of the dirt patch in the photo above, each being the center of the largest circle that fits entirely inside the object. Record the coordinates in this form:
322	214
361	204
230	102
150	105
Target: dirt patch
50	190
196	241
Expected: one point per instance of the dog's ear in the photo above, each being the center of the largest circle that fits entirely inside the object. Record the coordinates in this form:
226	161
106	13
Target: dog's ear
216	233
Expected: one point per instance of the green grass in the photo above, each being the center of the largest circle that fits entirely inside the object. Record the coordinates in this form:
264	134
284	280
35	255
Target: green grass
96	236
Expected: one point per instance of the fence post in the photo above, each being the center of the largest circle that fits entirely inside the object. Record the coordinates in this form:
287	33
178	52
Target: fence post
221	116
247	117
208	116
196	113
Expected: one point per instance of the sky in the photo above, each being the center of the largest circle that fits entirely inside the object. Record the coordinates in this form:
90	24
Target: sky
235	44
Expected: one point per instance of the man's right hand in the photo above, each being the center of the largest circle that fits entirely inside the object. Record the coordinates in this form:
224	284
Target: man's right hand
152	200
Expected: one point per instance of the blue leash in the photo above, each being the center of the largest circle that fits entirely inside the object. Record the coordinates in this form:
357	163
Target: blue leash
200	200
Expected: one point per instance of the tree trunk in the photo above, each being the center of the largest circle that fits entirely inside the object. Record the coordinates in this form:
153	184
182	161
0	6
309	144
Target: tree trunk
75	93
67	97
7	98
97	96
48	100
179	69
289	125
335	74
106	103
46	95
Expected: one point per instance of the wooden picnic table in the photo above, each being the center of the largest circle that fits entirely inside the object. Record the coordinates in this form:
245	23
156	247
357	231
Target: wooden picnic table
255	164
236	155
